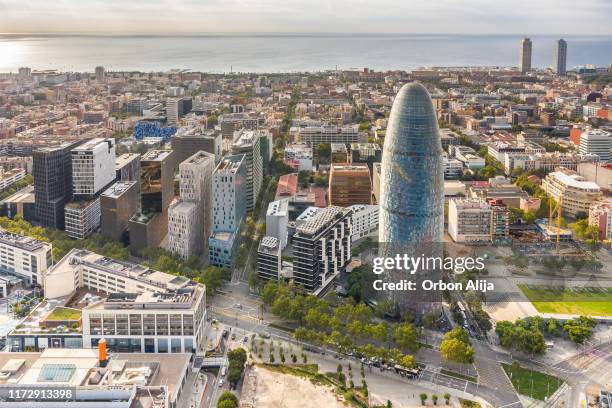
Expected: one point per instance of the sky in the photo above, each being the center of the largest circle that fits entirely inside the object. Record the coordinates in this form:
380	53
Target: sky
590	17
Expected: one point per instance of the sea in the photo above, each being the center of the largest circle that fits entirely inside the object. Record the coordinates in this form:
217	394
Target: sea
271	53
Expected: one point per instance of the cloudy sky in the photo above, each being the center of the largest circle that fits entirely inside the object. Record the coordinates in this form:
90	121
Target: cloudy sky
380	16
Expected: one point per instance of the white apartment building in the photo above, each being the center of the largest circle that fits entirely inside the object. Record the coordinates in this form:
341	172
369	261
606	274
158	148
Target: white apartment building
82	218
229	193
576	195
93	166
300	153
10	177
189	219
145	311
598	142
313	135
469	220
277	219
546	161
247	142
24	257
365	221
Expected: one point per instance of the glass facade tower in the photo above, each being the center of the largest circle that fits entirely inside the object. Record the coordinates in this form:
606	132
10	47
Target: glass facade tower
411	179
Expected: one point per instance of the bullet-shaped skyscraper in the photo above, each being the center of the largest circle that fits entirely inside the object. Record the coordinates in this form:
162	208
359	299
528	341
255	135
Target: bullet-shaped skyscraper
412	179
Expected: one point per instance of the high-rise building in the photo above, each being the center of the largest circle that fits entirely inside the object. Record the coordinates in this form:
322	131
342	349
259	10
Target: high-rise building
189	219
525	56
82	217
247	142
118	204
350	184
411	179
100	74
560	59
150	225
172	111
93	166
269	259
598	142
52	171
229	209
277	220
322	248
127	167
189	140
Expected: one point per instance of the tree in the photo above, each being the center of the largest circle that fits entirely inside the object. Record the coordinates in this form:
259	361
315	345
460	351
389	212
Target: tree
429	320
423	398
230	400
323	151
269	292
434	398
447	398
456	347
406	337
408	362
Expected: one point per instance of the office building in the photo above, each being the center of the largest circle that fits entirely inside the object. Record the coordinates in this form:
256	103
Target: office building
560	58
277	219
82	217
22	204
368	153
222	247
322	248
143	310
189	219
469	220
52	171
118	204
349	184
172	111
118	381
525	56
149	226
299	156
269	259
127	167
189	140
412	179
100	74
93	166
24	257
364	221
600	215
247	143
598	142
575	194
453	168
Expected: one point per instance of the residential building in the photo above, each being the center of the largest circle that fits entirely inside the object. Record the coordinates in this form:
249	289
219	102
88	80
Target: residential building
322	248
301	154
364	221
575	194
600	173
118	204
24	257
525	56
247	143
277	219
453	168
349	184
10	177
269	259
469	220
500	219
100	74
189	219
600	215
314	135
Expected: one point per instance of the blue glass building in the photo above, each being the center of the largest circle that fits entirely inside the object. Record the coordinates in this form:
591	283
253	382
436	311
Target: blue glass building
411	178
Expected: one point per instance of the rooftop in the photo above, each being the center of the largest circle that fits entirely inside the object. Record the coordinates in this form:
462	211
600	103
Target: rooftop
269	245
574	181
117	189
92	143
199	158
21	241
230	163
322	219
124	159
156	155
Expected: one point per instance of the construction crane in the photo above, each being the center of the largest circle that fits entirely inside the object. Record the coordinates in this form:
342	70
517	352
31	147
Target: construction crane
555	207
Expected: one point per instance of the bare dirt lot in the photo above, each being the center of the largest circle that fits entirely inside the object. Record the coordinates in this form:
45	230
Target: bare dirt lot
269	389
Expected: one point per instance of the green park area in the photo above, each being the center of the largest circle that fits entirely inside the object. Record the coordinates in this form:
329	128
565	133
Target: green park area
533	384
580	301
64	314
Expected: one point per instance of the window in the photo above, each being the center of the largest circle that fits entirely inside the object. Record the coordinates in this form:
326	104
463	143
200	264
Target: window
149	325
175	325
175	345
162	345
162	324
109	325
135	325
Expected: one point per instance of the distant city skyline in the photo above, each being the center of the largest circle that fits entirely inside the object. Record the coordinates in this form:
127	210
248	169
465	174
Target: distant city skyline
318	16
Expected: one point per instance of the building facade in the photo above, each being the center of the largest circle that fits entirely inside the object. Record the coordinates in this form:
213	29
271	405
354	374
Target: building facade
575	194
560	58
24	257
118	204
349	184
247	143
525	56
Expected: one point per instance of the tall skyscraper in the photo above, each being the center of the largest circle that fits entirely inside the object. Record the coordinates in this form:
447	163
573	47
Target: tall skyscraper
172	111
412	180
247	142
525	57
560	60
191	139
100	74
52	171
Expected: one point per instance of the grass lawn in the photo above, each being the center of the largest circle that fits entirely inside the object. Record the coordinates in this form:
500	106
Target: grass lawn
534	384
582	301
64	313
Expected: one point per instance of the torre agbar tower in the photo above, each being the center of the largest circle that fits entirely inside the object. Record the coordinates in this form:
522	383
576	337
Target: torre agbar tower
411	178
411	197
